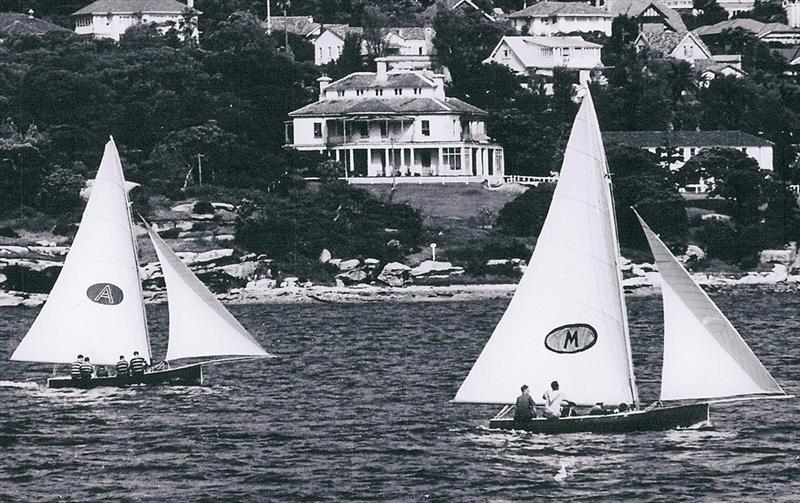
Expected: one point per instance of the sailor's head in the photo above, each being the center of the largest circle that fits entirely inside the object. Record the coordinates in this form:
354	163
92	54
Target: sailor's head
80	357
524	388
121	357
86	359
135	353
554	385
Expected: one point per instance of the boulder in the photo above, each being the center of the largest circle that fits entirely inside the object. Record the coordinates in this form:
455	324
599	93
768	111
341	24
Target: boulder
347	265
10	300
261	284
183	208
50	251
786	256
371	261
224	206
243	270
395	274
289	282
352	277
429	267
222	255
778	274
14	251
325	256
335	262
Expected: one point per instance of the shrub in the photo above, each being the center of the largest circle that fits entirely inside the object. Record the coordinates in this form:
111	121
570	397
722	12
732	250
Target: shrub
172	233
525	214
203	208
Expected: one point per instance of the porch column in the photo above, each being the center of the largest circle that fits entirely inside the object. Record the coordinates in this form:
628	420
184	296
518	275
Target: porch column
411	162
369	160
387	165
441	161
352	162
402	158
336	152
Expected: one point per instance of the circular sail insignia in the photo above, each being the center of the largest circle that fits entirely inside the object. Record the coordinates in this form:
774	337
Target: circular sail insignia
572	338
105	293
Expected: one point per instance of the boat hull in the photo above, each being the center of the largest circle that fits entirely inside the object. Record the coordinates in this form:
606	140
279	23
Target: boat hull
190	375
657	419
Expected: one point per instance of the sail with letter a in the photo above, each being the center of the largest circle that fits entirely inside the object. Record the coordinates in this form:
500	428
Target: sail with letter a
704	355
95	307
199	325
567	320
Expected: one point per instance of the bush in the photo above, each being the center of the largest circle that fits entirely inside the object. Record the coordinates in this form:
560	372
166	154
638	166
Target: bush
61	191
525	214
203	208
172	233
8	232
473	259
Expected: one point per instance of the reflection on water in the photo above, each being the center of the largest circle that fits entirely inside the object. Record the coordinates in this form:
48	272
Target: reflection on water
356	407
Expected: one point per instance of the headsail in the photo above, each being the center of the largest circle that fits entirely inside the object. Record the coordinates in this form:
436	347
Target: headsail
199	325
95	307
567	319
704	355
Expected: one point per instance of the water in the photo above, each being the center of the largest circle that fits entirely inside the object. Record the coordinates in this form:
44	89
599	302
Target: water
355	407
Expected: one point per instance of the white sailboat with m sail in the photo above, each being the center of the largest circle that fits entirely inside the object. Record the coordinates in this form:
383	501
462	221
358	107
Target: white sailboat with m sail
567	320
96	306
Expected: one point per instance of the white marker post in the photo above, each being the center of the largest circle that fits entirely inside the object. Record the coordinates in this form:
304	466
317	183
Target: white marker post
433	251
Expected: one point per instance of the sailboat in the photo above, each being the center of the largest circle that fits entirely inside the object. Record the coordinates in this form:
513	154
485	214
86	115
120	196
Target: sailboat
567	321
96	306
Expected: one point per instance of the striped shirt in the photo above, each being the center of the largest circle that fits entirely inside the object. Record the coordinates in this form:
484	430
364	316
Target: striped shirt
122	368
75	369
86	369
137	365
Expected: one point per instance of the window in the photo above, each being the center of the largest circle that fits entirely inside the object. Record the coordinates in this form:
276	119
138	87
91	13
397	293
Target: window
417	90
288	133
692	151
505	53
378	92
363	129
566	52
359	92
420	51
426	128
384	129
398	91
687	50
340	93
451	157
317	130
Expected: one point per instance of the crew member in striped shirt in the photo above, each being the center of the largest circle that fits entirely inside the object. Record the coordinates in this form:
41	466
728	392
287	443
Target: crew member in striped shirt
75	369
122	367
87	369
138	364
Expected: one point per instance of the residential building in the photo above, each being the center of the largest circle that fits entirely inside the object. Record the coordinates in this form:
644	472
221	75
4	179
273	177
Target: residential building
685	46
681	146
727	65
732	6
429	14
541	55
15	24
792	9
110	18
652	15
767	32
551	18
396	125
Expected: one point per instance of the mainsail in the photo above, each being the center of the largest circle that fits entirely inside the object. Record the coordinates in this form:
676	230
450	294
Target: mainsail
704	355
95	307
199	325
567	319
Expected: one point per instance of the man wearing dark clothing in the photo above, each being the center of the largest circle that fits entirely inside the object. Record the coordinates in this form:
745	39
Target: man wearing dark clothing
122	367
138	364
524	410
87	369
75	369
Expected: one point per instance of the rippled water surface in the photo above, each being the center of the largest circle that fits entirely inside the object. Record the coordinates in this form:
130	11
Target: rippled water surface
355	407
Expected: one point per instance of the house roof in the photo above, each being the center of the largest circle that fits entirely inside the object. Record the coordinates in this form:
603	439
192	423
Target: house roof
431	11
549	9
411	32
666	42
299	25
644	139
752	25
635	8
524	47
368	80
385	106
14	23
131	6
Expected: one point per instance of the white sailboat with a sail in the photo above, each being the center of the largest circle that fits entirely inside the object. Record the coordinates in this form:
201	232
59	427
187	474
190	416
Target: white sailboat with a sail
96	307
567	321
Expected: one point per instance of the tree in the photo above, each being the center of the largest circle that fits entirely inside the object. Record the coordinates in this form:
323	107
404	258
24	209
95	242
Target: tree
525	214
708	12
463	40
60	191
21	161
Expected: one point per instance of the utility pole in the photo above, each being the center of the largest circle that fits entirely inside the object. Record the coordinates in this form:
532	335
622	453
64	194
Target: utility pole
269	19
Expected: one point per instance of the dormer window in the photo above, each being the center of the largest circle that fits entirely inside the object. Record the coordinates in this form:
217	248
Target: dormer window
378	92
398	91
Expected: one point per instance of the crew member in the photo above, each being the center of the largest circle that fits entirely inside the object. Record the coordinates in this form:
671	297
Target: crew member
524	411
553	399
138	364
87	369
122	367
75	369
102	371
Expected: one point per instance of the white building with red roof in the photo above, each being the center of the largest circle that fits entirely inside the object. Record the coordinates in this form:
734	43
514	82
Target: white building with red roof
396	125
110	18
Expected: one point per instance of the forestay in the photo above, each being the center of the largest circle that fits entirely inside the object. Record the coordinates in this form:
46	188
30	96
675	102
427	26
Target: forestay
567	319
704	355
95	307
199	325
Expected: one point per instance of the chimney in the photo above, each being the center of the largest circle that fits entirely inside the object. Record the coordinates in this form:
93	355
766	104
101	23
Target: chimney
190	4
438	81
382	68
324	82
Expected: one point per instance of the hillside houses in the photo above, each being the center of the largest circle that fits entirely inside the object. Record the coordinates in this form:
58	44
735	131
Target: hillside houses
110	18
541	55
15	24
766	32
550	18
396	125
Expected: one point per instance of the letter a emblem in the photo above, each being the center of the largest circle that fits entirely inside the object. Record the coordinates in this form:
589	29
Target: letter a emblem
105	296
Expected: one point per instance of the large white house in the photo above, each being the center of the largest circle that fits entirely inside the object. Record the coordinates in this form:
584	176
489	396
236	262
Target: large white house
398	125
683	145
110	18
551	18
541	55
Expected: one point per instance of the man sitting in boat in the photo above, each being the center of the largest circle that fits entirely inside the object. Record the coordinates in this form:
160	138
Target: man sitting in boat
75	369
553	400
138	364
102	371
122	367
524	411
87	369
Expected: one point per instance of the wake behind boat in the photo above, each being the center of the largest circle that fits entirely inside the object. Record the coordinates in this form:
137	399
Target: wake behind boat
96	305
567	321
